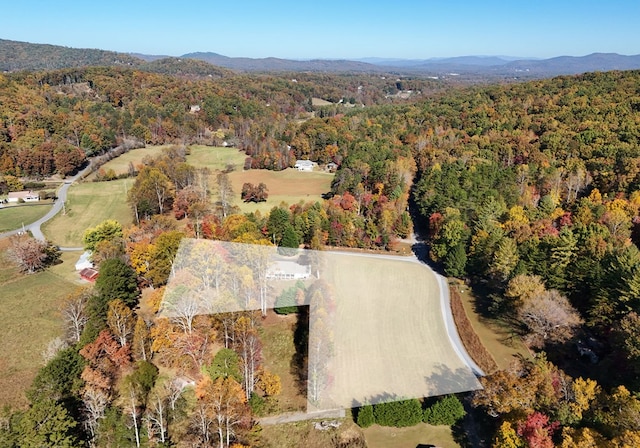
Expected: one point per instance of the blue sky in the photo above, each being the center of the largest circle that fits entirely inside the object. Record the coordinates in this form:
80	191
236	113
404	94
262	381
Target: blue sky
416	29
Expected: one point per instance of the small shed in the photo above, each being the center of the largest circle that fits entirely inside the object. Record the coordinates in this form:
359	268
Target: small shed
89	274
331	167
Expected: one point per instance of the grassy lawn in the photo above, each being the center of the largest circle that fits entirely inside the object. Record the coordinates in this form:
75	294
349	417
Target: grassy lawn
88	204
384	437
215	158
303	434
121	164
277	336
502	343
290	186
30	319
12	217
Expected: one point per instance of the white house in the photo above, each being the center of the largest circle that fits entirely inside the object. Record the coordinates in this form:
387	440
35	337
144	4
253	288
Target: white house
288	270
26	196
305	165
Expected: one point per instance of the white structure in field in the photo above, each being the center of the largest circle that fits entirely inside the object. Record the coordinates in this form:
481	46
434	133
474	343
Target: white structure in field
84	261
288	270
305	165
26	196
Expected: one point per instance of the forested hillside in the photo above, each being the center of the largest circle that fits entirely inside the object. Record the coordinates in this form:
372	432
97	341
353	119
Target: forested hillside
16	55
530	192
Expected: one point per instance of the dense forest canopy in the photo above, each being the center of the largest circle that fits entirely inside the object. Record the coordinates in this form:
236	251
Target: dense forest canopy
529	191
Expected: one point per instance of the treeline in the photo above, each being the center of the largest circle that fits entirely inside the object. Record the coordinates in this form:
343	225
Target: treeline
121	375
530	192
60	114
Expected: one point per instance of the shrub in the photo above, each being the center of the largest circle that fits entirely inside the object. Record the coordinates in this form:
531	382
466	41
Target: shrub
398	413
257	404
446	411
365	416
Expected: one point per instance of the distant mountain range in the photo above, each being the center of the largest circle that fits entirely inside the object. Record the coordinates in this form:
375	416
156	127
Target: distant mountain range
26	56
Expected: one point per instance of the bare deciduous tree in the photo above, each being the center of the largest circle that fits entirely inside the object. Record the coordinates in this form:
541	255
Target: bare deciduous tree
183	311
53	348
74	313
94	403
548	317
120	321
28	253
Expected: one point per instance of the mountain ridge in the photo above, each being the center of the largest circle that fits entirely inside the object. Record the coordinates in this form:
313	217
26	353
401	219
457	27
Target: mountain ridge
15	55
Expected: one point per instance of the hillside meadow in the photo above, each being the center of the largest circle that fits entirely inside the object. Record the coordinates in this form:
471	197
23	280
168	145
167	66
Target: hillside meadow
88	204
29	315
13	217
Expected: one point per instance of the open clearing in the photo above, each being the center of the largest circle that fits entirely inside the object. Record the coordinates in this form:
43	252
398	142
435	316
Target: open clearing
289	186
503	344
13	217
120	164
377	329
390	339
277	335
30	319
88	204
215	158
383	437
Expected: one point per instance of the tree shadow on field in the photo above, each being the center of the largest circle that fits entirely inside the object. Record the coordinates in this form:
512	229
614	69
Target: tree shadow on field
299	361
444	381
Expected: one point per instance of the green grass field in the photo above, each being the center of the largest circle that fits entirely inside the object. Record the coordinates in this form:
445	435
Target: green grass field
215	158
384	437
30	319
279	349
289	186
121	164
12	217
88	204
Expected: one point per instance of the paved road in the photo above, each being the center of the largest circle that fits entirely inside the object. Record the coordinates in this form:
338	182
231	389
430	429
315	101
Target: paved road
34	227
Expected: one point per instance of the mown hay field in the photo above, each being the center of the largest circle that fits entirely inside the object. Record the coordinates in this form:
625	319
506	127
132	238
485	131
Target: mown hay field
120	165
289	186
29	315
13	217
390	340
88	204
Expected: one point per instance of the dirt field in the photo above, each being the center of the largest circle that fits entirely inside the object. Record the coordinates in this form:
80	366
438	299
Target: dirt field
390	341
